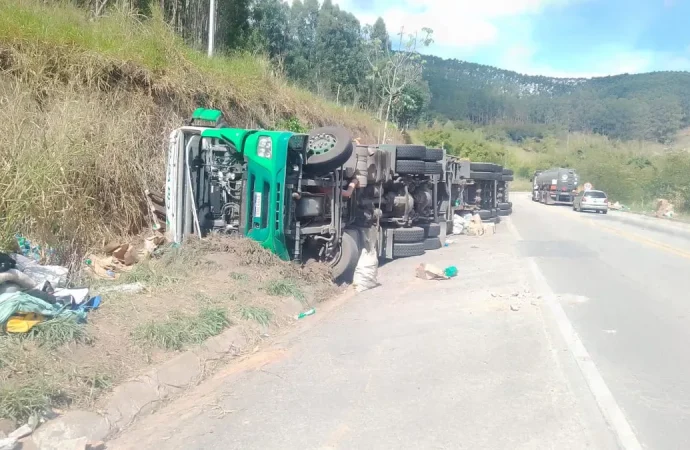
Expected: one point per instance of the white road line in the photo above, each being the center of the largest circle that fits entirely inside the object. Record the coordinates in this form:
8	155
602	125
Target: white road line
607	404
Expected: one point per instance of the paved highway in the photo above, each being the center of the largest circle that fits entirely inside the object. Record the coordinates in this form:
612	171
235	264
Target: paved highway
624	289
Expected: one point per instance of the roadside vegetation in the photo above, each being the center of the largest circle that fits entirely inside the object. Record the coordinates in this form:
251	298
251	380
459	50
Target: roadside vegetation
87	104
634	173
213	286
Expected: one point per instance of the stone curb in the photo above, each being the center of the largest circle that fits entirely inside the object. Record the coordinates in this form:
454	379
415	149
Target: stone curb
141	395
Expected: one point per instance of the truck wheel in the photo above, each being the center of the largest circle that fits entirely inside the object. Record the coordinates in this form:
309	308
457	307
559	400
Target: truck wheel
344	264
494	212
486	176
505	212
507	172
408	167
433	168
405	249
484	214
412	234
410	152
507	178
432	230
504	205
432	243
433	154
483	167
327	149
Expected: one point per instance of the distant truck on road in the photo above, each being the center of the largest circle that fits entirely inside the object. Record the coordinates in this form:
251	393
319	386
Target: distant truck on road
557	185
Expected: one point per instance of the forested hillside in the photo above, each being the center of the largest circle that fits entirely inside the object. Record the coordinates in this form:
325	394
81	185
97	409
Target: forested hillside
651	106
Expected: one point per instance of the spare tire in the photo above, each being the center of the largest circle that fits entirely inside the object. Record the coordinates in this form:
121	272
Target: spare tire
410	152
482	167
432	230
485	176
433	168
409	167
403	250
433	243
412	234
327	149
344	264
433	154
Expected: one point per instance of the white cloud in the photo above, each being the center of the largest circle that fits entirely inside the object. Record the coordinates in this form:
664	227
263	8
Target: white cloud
464	24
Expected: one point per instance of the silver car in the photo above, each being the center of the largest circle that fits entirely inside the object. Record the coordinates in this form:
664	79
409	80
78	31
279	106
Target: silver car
591	200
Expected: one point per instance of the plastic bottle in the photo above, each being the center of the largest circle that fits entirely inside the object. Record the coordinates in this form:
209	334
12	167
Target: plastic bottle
304	314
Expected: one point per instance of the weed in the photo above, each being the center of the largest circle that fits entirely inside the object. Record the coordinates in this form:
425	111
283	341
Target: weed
56	332
20	402
256	313
239	276
182	330
285	287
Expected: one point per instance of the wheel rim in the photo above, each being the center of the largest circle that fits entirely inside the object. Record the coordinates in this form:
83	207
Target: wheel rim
321	143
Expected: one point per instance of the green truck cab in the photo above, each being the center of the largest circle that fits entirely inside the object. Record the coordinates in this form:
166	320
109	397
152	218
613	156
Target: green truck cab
314	196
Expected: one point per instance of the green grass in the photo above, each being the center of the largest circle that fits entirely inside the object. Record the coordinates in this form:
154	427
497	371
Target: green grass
182	330
260	315
521	185
56	332
285	287
18	403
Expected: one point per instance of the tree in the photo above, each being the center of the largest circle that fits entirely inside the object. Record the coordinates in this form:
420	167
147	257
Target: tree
398	69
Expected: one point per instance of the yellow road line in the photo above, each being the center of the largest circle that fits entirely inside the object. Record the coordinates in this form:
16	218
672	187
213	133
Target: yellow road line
631	236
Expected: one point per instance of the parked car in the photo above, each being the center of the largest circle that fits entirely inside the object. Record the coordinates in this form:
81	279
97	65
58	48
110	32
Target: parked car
591	200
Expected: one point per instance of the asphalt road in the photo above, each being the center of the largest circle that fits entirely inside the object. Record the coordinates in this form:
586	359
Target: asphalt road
467	363
624	288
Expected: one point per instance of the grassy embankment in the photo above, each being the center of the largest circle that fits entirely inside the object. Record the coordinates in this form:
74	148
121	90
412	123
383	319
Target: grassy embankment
85	111
634	173
87	107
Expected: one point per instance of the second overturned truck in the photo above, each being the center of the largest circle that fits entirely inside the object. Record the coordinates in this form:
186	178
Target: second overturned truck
313	196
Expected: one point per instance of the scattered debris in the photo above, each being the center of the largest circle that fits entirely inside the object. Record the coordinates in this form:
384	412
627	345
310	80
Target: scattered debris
21	432
130	288
8	444
431	272
514	307
664	208
309	312
366	272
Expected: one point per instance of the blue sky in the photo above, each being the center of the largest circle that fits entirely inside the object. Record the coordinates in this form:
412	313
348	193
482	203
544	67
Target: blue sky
547	37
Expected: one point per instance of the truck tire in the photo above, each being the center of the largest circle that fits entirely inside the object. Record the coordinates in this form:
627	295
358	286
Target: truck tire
483	167
412	234
432	243
327	149
505	212
433	154
484	214
484	176
507	178
410	167
433	168
410	152
344	264
504	206
432	230
508	172
405	249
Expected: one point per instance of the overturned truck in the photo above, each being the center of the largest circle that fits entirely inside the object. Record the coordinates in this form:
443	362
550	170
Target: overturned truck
315	196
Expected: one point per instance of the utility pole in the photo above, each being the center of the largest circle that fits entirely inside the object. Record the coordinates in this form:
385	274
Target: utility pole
211	26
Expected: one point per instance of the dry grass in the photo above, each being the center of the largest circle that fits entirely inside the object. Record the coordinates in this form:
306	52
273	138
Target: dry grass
192	293
86	106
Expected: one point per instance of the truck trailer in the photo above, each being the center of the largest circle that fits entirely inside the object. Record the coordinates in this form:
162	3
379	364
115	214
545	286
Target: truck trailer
314	196
557	185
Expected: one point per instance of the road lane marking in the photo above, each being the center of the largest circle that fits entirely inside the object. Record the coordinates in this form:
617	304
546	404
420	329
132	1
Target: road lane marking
612	413
631	236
